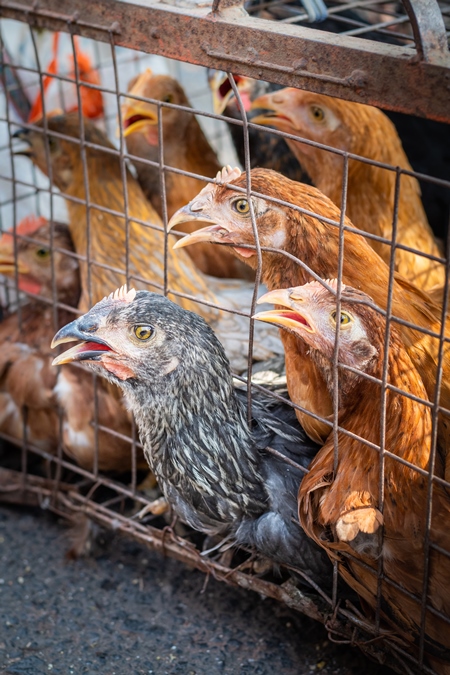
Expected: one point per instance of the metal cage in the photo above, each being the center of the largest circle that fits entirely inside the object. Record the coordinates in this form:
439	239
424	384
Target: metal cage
394	56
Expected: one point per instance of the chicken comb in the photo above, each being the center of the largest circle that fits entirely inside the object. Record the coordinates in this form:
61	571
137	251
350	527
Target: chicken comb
317	285
227	175
123	294
333	283
30	224
27	227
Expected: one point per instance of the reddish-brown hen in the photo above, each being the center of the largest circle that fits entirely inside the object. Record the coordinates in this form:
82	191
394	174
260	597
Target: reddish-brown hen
366	131
339	500
316	242
116	249
185	147
26	378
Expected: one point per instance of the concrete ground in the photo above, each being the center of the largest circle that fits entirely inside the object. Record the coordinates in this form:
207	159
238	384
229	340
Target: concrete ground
125	610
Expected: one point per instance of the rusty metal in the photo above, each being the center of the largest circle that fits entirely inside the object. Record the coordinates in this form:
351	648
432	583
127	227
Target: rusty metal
429	29
337	73
386	75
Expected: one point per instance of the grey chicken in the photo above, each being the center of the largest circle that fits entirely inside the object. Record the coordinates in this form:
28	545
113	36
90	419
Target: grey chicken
219	476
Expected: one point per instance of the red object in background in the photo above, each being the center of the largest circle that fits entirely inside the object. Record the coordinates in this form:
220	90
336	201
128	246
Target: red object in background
91	99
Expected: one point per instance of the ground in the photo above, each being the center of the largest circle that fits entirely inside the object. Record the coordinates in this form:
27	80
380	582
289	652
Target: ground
125	610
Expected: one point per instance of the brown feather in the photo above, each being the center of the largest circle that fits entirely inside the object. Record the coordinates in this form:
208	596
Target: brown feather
340	500
185	147
316	243
366	131
111	236
27	379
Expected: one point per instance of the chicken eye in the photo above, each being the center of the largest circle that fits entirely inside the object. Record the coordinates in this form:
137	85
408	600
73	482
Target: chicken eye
168	98
241	206
345	318
317	113
42	253
143	332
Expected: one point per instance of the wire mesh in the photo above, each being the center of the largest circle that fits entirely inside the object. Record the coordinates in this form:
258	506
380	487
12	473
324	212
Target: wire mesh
121	499
369	19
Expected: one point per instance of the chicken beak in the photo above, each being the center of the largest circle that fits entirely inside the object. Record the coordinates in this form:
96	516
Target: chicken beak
272	111
265	119
8	266
90	348
137	117
291	319
193	212
221	91
23	135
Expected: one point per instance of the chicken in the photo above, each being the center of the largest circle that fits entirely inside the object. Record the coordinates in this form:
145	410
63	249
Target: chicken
91	99
266	149
185	147
315	242
339	499
111	236
26	378
219	476
366	131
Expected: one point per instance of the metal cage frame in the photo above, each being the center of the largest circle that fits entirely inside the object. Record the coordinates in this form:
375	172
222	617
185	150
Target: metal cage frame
350	68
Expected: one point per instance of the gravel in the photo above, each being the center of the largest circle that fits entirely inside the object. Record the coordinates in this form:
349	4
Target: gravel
125	610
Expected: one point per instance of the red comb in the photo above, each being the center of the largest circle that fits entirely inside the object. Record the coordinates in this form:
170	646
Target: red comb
30	224
27	227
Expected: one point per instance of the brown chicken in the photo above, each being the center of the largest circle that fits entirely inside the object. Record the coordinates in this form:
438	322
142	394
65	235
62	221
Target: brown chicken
26	378
185	147
316	243
366	131
110	236
339	499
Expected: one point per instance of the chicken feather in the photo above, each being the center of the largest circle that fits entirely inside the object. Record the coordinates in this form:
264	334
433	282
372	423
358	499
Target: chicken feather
143	236
26	379
317	243
366	131
185	147
339	499
219	475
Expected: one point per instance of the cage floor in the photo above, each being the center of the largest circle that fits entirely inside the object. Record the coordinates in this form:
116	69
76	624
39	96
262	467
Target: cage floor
123	609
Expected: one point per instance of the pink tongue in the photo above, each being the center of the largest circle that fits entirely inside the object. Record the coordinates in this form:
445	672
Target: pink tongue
245	252
94	347
29	285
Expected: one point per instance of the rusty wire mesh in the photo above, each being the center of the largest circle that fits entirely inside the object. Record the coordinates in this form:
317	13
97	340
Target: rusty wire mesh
116	502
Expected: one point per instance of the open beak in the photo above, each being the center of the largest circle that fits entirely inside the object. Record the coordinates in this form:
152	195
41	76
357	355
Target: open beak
222	91
8	266
193	212
90	348
291	318
136	117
